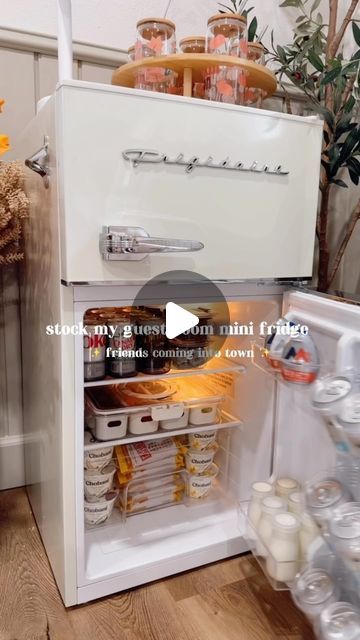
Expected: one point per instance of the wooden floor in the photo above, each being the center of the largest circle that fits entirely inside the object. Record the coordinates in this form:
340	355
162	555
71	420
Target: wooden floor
228	600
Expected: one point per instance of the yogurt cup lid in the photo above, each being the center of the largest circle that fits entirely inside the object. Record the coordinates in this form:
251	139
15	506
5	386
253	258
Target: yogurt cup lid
345	522
331	389
340	620
110	496
104	471
313	586
210	472
324	493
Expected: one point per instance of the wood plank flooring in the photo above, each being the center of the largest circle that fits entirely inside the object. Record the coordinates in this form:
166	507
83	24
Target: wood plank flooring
229	600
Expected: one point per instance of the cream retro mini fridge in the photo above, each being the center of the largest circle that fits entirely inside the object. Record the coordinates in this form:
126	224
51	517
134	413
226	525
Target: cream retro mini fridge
125	186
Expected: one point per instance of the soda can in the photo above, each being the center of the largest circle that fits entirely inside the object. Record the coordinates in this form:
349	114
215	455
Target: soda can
94	352
121	359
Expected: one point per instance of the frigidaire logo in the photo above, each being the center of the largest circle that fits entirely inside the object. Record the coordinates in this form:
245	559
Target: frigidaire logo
149	156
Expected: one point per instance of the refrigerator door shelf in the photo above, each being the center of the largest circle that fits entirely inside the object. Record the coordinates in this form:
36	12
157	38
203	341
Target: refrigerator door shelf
263	555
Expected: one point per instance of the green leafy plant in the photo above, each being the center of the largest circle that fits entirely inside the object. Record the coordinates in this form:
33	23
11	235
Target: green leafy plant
315	64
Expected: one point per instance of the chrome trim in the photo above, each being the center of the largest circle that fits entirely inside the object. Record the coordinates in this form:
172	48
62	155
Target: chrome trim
297	282
134	243
151	156
38	162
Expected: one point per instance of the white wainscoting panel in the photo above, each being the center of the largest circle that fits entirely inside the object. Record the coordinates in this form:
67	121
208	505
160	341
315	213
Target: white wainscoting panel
28	72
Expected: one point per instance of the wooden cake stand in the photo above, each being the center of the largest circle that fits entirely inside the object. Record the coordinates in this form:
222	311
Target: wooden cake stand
192	68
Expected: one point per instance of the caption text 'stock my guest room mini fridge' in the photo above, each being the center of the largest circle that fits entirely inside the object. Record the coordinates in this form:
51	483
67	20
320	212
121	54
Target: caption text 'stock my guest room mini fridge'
244	184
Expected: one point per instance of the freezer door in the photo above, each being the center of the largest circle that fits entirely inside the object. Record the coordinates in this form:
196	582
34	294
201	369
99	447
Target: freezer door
303	445
151	183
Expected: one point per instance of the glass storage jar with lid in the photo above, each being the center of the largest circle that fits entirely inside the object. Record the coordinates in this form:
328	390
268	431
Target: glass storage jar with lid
131	53
155	37
253	95
313	590
226	35
195	45
340	621
153	345
192	44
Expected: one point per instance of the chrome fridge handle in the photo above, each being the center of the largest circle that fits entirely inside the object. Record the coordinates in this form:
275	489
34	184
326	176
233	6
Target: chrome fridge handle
134	243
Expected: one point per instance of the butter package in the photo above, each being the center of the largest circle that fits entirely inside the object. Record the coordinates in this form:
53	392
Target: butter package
144	502
157	469
142	454
152	484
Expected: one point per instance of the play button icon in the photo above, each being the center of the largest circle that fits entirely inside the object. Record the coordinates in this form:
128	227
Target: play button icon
178	320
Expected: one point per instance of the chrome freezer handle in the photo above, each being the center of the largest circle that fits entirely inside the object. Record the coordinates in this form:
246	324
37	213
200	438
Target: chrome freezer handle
134	243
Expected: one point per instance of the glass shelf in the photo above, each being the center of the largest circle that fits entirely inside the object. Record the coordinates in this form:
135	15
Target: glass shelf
214	366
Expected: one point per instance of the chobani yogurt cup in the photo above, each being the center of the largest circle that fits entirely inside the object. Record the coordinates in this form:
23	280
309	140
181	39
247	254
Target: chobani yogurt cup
201	441
97	458
199	486
98	482
199	461
98	512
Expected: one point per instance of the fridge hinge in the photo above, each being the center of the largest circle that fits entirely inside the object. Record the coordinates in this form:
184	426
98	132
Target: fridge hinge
38	162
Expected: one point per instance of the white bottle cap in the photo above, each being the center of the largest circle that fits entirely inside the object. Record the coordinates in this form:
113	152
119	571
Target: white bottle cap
273	504
287	483
286	522
262	489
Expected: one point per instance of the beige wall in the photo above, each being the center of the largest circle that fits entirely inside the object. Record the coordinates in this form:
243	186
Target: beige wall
112	22
28	71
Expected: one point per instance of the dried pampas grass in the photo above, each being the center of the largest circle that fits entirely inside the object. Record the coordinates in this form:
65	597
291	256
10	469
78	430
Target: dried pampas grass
14	207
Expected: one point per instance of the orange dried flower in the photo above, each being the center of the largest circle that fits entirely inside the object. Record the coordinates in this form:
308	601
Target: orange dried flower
2	102
4	144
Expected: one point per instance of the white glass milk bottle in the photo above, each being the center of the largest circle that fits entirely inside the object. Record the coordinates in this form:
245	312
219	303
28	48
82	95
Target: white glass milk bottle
259	490
282	562
269	507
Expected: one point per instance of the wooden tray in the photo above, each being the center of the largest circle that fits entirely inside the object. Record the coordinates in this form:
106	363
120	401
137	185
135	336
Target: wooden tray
192	67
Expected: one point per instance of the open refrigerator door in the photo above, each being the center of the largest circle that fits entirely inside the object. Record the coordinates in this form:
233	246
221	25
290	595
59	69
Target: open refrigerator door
312	549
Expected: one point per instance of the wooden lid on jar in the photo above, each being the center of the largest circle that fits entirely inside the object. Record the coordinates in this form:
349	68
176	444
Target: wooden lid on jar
161	21
190	39
256	46
227	16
